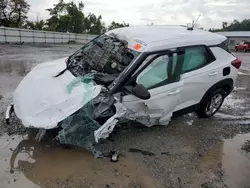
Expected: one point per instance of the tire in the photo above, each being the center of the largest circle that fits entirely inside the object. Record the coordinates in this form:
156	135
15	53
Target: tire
206	110
236	49
245	50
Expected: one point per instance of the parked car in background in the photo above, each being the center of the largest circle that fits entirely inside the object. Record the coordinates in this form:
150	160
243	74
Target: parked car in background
243	46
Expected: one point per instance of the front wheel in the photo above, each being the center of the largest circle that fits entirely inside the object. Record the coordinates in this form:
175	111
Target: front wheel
211	104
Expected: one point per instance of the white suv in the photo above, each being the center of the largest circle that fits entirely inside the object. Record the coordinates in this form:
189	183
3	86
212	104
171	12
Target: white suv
183	71
147	74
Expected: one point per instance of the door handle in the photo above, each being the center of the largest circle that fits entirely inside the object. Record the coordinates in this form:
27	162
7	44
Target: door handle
174	92
213	74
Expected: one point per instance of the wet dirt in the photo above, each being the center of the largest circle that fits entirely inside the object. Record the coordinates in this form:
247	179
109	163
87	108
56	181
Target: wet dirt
236	161
189	152
27	163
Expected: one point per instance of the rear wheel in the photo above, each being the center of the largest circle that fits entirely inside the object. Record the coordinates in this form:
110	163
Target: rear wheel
245	50
211	104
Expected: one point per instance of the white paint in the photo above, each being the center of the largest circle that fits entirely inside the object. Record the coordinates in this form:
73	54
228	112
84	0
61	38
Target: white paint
161	104
42	101
104	131
166	37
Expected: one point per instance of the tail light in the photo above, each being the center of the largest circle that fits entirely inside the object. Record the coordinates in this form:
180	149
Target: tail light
237	63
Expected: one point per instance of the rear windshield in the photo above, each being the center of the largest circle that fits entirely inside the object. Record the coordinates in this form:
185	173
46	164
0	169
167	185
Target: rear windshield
105	54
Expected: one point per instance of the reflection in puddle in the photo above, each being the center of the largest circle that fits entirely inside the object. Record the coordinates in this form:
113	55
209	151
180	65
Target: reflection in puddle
236	162
27	164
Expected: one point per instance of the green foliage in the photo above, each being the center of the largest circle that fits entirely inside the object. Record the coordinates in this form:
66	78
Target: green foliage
64	17
234	26
37	25
94	25
13	13
68	17
115	25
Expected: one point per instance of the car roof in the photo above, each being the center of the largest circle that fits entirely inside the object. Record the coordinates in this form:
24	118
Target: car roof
153	38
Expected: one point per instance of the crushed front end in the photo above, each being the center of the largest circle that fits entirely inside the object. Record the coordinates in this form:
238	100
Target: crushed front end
71	94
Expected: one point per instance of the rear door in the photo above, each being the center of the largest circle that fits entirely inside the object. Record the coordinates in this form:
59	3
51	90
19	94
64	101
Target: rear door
161	78
198	74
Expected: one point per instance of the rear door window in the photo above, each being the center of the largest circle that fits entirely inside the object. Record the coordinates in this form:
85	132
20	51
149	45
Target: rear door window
194	58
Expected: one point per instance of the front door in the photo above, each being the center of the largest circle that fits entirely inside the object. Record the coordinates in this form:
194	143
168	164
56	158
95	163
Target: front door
160	77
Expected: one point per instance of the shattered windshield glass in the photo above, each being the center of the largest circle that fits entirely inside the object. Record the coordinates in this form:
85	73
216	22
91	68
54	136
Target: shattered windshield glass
105	54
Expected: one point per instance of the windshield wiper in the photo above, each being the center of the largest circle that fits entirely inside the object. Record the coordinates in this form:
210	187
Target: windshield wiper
67	67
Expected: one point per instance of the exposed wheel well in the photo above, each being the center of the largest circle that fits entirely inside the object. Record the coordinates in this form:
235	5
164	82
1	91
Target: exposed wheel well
226	84
227	88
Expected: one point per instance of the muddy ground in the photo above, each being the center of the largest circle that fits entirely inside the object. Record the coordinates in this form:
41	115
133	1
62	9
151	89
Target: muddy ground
189	152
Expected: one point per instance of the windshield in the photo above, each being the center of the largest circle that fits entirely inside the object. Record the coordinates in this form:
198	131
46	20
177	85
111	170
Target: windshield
105	54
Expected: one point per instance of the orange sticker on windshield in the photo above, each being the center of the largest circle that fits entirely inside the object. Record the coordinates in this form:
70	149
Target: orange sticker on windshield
137	46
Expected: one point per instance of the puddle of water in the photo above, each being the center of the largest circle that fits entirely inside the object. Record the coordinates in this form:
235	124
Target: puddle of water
28	164
236	162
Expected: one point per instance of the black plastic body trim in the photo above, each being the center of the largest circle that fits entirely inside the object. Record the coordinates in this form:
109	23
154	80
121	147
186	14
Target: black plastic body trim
186	110
227	84
226	71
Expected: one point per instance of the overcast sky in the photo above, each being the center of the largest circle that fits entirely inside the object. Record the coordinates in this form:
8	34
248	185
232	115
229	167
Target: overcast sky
159	12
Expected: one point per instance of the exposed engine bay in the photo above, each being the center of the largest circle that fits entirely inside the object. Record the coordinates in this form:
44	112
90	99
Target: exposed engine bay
105	56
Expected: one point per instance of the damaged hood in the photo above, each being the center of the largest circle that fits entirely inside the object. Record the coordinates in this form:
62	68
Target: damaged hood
42	100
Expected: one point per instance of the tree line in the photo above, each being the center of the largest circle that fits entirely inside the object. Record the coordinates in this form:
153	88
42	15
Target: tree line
234	26
64	17
69	17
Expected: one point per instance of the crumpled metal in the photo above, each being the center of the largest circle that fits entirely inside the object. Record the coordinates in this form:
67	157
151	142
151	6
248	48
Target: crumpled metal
103	54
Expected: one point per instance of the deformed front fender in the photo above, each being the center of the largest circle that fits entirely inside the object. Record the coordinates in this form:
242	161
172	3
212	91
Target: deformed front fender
104	131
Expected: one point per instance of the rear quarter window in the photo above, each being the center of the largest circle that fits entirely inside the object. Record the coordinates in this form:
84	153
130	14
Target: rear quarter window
195	58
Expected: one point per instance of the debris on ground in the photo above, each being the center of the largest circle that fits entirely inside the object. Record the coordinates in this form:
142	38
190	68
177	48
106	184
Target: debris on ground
165	153
143	152
246	146
114	156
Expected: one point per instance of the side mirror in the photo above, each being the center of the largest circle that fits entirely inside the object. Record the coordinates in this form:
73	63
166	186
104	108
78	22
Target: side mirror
139	91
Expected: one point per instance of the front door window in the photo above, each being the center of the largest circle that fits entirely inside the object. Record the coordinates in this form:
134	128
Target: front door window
155	73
